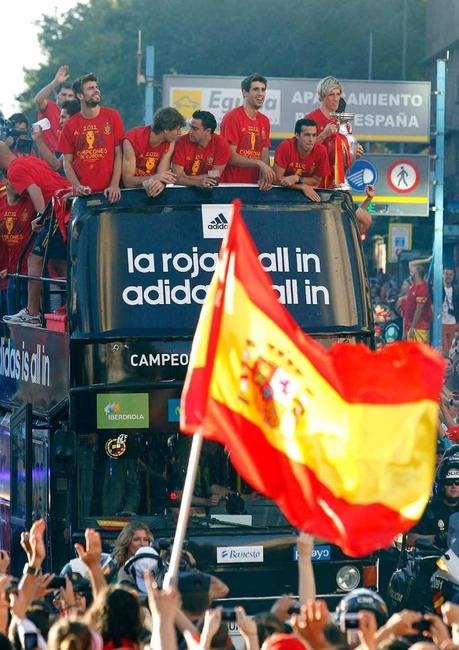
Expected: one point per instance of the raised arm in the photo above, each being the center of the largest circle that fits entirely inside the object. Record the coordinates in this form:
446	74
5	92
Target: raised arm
45	153
306	580
41	98
91	556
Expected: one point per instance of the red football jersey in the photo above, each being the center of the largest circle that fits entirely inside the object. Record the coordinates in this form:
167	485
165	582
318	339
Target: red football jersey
250	137
199	160
147	158
315	163
15	230
28	170
92	141
51	136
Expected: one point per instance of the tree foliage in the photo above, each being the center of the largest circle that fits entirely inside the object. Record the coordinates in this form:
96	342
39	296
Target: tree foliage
301	38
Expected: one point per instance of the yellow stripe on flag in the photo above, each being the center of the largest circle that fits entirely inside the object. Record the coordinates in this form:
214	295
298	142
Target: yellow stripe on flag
339	441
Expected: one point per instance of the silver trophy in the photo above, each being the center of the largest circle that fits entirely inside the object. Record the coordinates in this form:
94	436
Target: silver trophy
345	128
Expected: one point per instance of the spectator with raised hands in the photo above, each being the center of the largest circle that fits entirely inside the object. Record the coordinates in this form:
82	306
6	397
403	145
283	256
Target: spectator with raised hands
164	606
399	624
306	580
248	629
70	601
209	628
32	584
311	623
366	630
91	555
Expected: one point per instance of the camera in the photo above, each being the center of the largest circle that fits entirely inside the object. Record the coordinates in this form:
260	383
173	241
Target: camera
294	609
348	621
57	582
12	587
228	615
351	621
22	142
422	626
30	640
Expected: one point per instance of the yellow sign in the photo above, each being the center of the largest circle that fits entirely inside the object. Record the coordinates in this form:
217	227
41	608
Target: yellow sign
186	100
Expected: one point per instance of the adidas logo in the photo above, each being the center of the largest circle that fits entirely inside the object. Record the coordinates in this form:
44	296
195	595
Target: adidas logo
220	222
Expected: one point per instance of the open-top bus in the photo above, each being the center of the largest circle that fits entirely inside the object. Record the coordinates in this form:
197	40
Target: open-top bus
89	420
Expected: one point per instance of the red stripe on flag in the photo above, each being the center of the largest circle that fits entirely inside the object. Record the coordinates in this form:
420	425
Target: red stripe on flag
297	491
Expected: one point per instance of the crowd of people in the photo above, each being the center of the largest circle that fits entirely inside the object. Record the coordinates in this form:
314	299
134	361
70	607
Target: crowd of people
125	600
412	301
81	148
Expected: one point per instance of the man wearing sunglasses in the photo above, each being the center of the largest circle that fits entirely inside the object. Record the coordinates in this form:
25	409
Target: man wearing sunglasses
433	525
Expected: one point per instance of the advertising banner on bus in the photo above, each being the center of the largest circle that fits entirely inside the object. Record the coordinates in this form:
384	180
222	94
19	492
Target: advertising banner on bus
152	280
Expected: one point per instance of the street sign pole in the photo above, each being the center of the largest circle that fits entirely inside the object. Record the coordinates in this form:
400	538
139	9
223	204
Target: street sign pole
439	189
149	81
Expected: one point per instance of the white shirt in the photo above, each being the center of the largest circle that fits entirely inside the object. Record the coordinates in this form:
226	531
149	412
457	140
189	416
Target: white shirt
447	318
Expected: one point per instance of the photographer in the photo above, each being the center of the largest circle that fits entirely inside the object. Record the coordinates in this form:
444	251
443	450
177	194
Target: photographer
16	134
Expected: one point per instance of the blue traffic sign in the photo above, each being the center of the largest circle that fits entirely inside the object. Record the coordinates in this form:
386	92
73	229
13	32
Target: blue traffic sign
361	174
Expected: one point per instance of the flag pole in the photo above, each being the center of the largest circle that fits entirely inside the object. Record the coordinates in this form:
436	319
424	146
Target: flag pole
171	576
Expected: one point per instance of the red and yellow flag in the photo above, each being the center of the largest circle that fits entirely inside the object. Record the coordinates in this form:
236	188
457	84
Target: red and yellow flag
342	439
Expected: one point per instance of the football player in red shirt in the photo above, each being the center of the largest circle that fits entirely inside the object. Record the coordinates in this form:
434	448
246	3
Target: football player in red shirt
31	176
329	91
300	162
147	152
201	151
247	131
47	108
16	215
55	159
91	143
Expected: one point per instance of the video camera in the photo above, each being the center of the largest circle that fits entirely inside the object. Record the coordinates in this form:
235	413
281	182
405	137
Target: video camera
22	142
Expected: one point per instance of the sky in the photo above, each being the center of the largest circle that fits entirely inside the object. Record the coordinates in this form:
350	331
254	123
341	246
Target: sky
19	47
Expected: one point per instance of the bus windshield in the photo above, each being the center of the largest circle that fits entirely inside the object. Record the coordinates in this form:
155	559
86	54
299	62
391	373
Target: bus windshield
142	475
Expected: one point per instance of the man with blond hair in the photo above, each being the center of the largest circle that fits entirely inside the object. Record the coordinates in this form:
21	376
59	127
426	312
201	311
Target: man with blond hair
329	92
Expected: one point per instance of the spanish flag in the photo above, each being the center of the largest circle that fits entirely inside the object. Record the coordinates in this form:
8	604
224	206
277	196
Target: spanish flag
343	440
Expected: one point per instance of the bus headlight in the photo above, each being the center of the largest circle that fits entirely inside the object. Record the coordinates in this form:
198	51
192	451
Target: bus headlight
348	577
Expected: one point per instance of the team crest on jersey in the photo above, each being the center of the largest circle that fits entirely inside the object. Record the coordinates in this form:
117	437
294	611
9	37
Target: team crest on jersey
210	160
25	216
107	128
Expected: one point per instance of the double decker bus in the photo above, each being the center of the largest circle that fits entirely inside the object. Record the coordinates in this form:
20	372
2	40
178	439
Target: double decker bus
89	420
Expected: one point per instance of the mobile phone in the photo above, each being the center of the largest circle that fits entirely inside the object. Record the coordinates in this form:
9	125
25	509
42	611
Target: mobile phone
422	626
12	587
57	582
30	640
228	615
350	621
